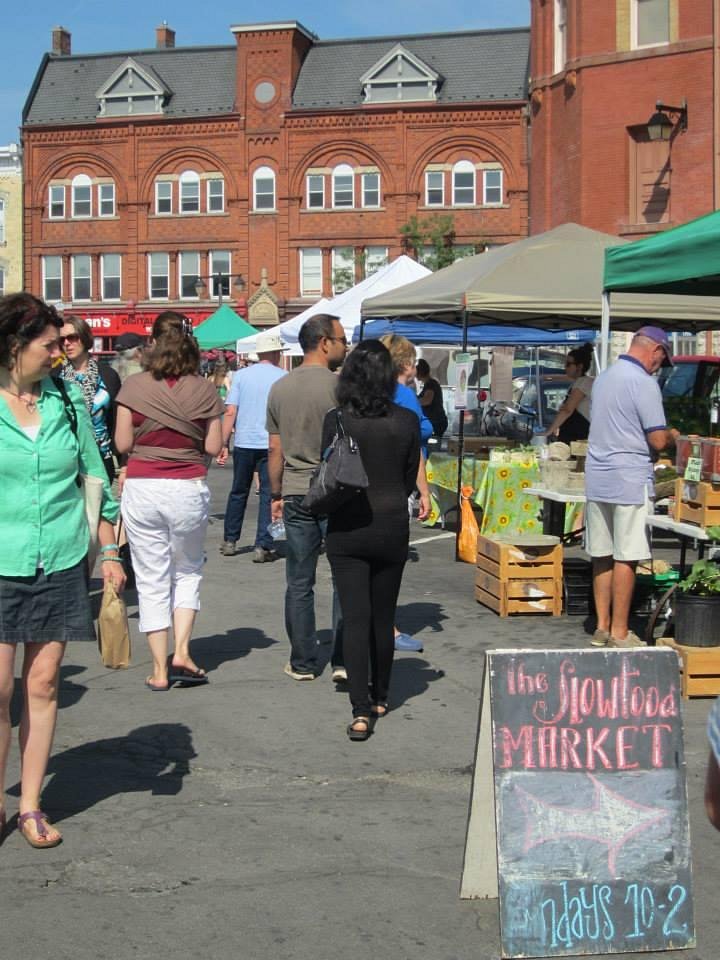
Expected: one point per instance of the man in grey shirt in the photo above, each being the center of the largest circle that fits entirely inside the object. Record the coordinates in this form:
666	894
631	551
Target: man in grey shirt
627	431
296	409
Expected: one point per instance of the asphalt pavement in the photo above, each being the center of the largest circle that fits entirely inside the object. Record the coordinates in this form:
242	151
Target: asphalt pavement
238	820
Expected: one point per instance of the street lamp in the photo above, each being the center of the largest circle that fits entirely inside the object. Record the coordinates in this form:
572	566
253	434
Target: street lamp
218	280
660	126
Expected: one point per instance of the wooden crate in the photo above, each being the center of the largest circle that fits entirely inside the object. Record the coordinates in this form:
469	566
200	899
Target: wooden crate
519	596
700	668
508	561
697	503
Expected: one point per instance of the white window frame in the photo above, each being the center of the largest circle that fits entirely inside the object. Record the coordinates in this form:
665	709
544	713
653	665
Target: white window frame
341	262
428	188
158	198
101	188
52	279
74	278
225	274
57	188
2	220
81	181
486	189
364	191
559	35
183	273
189	179
343	170
307	290
267	175
158	253
309	193
375	259
460	168
104	276
211	198
635	28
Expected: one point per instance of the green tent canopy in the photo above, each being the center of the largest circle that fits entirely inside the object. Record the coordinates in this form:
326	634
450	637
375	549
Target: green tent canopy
222	329
684	260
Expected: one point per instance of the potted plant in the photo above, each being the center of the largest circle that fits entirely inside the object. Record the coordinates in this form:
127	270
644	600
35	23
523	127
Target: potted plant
697	606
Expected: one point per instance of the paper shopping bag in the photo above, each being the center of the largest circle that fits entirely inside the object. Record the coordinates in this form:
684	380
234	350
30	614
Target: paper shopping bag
113	633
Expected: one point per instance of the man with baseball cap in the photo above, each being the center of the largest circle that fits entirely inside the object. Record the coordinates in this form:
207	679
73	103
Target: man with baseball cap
245	408
627	432
129	347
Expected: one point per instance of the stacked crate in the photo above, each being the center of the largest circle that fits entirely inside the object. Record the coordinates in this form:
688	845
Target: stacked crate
517	577
697	503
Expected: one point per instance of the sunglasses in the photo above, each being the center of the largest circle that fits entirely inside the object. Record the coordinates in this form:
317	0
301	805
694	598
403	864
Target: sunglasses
70	338
342	340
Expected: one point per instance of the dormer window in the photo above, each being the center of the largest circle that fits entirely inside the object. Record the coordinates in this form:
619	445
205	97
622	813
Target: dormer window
132	89
400	75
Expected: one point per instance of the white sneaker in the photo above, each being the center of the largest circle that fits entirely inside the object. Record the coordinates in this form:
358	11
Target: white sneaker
296	674
338	675
630	640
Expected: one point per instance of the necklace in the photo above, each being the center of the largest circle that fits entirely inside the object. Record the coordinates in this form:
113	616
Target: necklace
30	400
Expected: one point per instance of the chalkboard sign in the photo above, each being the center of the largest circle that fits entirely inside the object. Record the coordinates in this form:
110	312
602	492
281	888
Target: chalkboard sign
593	847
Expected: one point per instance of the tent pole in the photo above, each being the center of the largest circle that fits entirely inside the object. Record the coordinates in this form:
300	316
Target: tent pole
461	447
362	328
538	387
605	330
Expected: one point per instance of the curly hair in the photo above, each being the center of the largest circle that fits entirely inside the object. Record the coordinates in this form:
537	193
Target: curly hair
583	356
401	351
23	317
174	351
367	380
81	328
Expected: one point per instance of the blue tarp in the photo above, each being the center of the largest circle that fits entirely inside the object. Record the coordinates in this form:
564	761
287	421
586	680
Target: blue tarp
423	331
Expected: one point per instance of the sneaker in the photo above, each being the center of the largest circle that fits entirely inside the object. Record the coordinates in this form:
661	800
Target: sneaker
631	640
601	638
228	548
403	641
261	555
298	674
338	675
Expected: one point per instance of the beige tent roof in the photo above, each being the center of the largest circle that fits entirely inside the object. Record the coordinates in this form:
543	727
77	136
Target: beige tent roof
553	280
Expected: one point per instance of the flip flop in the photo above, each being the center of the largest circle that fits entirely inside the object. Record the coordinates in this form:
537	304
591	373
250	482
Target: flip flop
156	687
38	816
185	676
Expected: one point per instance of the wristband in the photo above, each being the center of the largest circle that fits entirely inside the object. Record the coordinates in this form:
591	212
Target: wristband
108	547
110	560
276	496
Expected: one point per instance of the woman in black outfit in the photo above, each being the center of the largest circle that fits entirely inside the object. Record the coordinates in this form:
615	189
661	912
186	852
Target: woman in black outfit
367	538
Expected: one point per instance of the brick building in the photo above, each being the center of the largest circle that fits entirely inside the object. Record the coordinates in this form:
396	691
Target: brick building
281	156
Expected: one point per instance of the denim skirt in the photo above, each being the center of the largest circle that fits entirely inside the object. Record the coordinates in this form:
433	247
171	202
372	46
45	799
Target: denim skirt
46	606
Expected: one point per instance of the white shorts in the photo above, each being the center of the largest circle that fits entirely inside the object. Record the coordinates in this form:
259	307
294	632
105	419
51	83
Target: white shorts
618	530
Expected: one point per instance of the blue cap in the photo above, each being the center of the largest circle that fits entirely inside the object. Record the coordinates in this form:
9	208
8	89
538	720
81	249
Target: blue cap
661	338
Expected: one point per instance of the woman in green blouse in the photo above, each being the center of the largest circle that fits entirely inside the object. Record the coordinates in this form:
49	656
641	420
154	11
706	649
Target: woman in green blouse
43	581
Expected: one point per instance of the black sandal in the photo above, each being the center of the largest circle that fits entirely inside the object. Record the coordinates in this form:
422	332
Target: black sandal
380	709
355	734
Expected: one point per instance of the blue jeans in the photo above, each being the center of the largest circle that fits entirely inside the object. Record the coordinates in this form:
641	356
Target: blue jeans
305	534
246	460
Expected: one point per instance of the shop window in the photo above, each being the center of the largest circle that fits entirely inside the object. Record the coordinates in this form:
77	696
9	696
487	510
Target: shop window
159	270
110	266
81	276
189	192
311	272
52	279
343	186
216	195
188	273
264	189
81	196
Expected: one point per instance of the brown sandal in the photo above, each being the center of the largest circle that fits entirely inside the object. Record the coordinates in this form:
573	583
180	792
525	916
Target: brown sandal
40	819
359	734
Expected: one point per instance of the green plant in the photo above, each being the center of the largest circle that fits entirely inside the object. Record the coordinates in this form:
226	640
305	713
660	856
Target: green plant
431	240
703	579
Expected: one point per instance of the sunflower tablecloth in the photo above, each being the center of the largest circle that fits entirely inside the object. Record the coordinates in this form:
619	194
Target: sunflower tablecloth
498	491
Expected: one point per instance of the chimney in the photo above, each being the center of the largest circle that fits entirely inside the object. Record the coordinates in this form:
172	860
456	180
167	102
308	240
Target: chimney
164	36
61	42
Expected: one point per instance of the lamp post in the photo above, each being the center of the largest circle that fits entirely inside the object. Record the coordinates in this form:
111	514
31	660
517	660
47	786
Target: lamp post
660	126
218	279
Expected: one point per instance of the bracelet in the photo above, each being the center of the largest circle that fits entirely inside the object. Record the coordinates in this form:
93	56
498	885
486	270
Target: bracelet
110	560
108	547
276	496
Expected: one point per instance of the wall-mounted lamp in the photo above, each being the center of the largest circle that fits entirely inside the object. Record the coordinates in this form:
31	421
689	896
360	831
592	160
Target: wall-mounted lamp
219	280
660	126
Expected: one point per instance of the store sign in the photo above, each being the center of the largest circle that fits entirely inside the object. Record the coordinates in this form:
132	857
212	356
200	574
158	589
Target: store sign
107	324
580	770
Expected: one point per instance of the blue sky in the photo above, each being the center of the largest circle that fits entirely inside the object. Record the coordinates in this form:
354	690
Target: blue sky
97	26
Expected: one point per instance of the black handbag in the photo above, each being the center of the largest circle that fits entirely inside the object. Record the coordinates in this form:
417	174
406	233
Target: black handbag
339	477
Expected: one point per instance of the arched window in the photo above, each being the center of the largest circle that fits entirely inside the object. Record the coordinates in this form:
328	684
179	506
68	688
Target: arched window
82	196
264	189
342	186
189	192
463	184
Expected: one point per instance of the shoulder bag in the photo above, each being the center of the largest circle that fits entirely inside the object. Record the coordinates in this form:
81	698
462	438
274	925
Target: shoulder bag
91	487
339	477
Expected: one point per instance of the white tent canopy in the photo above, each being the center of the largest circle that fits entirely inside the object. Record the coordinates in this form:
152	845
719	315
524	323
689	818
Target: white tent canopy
346	305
